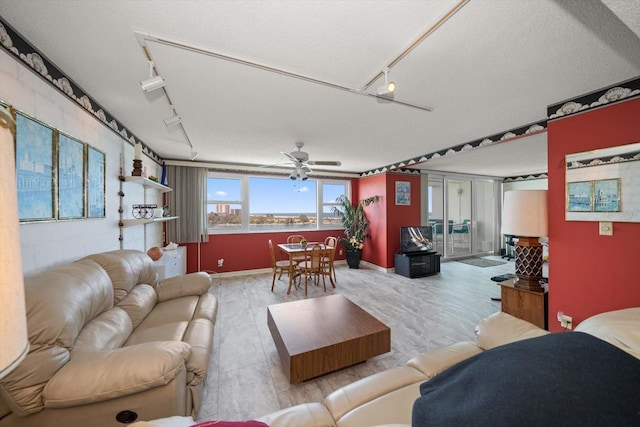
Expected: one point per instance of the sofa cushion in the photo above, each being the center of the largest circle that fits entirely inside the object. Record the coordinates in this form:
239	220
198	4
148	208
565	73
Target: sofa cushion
435	361
126	268
82	288
108	331
98	376
139	302
174	310
619	328
173	331
501	328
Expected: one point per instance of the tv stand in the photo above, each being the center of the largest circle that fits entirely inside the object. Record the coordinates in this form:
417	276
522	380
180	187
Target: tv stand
417	264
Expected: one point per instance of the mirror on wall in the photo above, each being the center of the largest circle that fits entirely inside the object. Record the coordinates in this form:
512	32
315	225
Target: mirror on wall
604	185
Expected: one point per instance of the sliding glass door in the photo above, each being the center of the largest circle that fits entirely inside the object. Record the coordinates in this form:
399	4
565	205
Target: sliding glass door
462	214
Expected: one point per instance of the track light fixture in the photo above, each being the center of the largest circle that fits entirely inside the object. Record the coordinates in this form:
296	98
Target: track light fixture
153	82
194	154
174	119
389	87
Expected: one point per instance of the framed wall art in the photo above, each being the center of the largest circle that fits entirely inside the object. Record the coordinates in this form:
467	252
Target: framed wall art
579	197
606	195
71	169
403	193
95	183
35	171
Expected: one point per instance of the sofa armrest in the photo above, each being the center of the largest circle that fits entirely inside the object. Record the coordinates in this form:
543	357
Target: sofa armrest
502	328
370	388
98	376
433	362
192	284
304	415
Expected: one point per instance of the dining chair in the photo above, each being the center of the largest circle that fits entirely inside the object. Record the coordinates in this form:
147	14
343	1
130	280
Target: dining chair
279	266
297	238
330	244
313	266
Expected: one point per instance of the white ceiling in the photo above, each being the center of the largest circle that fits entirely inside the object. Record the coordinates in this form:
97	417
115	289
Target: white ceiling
491	67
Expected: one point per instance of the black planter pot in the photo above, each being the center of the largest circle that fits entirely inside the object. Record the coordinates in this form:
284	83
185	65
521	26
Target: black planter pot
353	259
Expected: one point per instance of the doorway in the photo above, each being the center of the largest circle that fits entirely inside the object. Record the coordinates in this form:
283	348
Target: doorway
462	214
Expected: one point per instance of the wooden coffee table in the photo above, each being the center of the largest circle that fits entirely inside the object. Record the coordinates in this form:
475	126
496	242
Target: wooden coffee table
319	335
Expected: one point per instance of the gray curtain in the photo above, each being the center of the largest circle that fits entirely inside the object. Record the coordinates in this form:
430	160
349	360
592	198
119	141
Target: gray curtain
188	200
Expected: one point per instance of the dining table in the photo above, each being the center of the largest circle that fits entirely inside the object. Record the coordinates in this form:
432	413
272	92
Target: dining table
293	249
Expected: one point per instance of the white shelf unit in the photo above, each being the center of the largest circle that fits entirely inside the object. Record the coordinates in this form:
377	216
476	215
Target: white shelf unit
148	185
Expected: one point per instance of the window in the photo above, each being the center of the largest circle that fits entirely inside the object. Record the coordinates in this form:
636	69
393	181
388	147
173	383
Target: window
224	204
259	203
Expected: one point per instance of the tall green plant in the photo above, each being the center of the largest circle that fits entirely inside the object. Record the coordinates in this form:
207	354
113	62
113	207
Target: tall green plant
354	221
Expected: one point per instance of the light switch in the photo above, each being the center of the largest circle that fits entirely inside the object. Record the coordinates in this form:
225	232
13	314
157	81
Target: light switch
606	228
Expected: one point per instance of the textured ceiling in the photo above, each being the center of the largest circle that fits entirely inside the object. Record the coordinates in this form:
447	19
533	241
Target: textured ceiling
490	67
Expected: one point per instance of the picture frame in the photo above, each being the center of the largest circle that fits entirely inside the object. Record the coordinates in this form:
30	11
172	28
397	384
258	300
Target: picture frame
579	196
403	193
606	195
35	169
96	162
71	173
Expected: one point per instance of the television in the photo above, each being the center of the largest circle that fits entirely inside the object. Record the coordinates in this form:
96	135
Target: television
416	239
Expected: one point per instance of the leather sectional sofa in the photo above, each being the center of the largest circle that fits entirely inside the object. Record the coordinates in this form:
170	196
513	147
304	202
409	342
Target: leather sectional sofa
387	398
108	344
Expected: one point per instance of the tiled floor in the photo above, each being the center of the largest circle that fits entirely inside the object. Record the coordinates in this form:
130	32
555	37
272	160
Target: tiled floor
245	375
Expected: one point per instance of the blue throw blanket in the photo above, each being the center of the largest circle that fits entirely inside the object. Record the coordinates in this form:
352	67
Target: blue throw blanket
561	379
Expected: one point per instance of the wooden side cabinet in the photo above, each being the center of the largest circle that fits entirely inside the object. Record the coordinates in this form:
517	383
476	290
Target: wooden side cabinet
417	264
525	304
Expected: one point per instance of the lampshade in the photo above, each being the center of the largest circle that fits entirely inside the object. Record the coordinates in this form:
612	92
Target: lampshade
13	321
524	213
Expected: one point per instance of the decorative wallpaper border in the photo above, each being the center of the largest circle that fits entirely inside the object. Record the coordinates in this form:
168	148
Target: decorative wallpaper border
600	161
526	178
25	52
540	126
616	93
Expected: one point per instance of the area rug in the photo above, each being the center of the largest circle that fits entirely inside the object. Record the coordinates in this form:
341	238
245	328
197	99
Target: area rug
481	262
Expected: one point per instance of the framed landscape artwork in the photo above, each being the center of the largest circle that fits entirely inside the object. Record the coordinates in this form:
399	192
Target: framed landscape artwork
34	169
579	196
70	178
96	182
403	193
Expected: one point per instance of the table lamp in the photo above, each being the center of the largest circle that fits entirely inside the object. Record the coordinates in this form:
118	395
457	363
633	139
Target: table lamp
13	320
524	214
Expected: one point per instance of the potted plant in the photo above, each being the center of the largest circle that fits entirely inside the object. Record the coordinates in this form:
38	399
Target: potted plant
355	226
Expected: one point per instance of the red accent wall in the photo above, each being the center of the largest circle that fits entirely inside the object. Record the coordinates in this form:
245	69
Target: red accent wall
386	217
589	273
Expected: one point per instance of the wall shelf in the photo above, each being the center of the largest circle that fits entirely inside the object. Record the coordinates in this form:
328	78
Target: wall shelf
147	183
133	222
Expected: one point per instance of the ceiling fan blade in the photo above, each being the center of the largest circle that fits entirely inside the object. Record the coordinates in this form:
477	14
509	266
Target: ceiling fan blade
323	163
289	156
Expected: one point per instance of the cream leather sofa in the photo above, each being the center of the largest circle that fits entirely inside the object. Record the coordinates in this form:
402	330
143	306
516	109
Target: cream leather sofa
109	345
387	398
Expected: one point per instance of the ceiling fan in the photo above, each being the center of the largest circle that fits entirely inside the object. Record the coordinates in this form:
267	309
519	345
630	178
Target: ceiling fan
300	159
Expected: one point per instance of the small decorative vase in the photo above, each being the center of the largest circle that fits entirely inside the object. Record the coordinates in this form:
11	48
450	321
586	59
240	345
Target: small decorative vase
353	259
304	244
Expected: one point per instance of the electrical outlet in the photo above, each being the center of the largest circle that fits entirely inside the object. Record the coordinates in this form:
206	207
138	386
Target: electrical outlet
340	251
566	321
220	262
